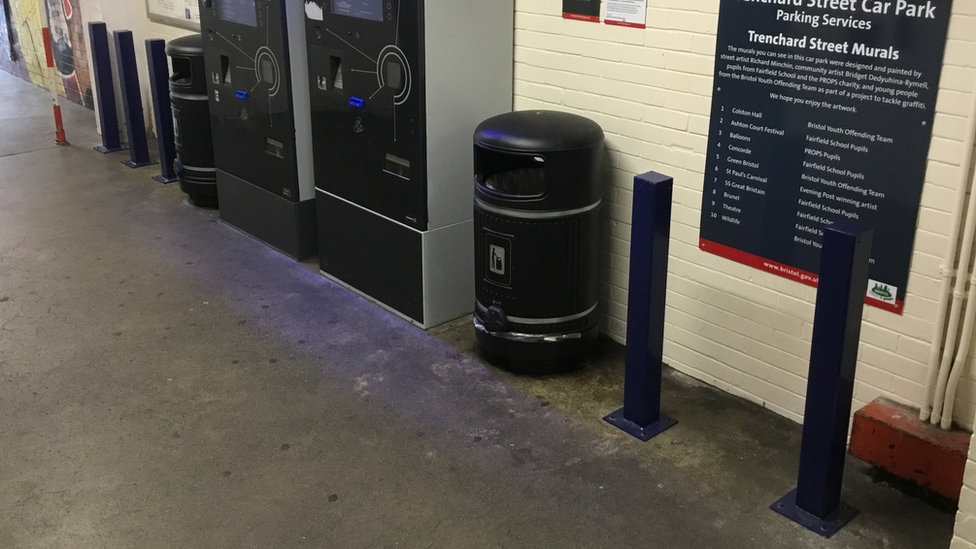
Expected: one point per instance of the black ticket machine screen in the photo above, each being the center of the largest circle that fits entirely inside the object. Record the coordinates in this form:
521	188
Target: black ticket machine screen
363	9
239	11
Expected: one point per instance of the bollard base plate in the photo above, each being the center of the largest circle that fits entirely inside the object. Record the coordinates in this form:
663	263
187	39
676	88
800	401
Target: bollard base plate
164	180
786	506
645	432
105	150
132	164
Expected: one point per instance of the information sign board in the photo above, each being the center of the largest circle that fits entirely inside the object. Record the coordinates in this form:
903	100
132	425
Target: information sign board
822	111
627	13
178	13
582	10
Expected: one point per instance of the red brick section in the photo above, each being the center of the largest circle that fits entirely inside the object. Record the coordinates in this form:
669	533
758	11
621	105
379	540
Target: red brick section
890	436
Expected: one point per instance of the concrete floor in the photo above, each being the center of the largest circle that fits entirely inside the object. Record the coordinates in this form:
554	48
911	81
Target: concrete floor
167	382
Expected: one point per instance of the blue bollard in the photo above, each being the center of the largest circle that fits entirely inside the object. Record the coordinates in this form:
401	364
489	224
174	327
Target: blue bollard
159	83
815	503
108	117
135	124
650	235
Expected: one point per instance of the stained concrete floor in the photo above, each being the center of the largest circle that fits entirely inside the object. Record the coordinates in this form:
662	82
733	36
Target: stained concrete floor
167	382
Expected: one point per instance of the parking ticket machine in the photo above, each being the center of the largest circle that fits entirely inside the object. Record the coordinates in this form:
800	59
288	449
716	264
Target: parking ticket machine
254	52
397	88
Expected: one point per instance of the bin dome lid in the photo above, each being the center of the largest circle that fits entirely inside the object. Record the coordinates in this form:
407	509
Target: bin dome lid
186	45
539	131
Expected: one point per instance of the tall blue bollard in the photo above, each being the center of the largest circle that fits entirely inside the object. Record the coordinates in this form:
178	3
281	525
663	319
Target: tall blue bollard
650	235
159	83
135	124
108	117
815	502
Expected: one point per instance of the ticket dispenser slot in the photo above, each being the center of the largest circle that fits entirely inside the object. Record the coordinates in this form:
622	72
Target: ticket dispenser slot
393	164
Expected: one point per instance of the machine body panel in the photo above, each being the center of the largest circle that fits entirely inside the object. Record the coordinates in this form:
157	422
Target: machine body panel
397	89
254	52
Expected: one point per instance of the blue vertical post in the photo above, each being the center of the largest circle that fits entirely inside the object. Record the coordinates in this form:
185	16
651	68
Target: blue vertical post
650	235
108	117
815	502
159	83
135	123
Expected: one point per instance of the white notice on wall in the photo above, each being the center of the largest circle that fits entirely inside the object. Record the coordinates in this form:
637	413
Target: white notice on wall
627	13
182	13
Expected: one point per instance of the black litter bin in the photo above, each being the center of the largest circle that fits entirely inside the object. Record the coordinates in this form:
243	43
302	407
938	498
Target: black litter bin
191	121
538	190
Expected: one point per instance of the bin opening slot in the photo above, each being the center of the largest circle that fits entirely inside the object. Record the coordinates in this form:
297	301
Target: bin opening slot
182	71
397	166
512	175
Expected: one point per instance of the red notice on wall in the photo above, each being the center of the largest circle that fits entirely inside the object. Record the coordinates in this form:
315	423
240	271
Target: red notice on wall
582	10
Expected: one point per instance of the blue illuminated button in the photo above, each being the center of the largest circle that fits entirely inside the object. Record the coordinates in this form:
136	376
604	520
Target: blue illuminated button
241	94
356	102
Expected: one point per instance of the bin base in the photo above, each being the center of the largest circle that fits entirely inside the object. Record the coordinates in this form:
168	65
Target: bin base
539	357
203	195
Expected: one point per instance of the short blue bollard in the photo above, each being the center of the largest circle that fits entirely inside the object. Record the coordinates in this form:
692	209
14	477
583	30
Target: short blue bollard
135	124
815	503
650	234
108	117
159	83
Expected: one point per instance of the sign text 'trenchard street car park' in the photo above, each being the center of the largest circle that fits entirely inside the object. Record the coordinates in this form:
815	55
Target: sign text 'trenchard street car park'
822	111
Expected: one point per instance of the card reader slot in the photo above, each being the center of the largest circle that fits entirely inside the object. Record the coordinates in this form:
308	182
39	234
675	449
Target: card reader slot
394	75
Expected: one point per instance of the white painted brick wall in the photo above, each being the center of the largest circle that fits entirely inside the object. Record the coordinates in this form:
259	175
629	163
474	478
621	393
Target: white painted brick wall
743	330
965	537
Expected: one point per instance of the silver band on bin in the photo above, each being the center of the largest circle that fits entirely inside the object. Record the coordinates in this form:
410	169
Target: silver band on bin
188	96
527	338
529	214
541	321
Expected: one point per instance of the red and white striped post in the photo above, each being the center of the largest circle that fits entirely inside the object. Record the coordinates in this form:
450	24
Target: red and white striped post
52	74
